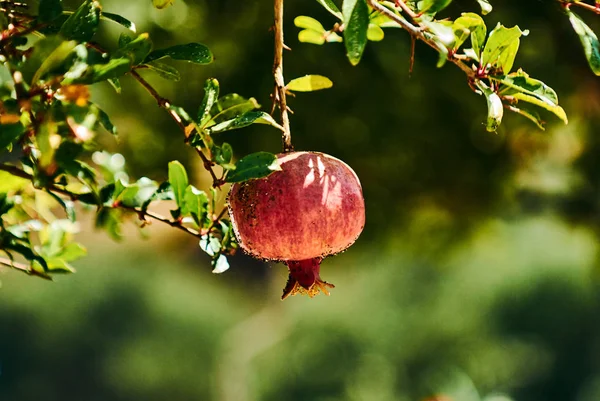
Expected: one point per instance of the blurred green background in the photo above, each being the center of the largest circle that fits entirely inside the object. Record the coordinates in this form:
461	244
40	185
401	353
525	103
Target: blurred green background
476	276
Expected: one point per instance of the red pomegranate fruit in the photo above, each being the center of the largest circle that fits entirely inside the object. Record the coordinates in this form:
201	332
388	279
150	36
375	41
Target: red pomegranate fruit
311	209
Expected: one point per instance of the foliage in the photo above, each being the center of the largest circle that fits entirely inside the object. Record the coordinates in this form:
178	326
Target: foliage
50	57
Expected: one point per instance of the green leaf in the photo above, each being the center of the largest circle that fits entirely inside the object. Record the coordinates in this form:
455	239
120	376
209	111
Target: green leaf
246	119
83	23
9	133
222	156
192	52
310	36
196	205
179	181
589	41
356	19
163	192
115	68
253	166
486	7
48	55
520	81
160	4
105	121
470	24
375	33
433	6
309	83
444	34
500	49
530	115
136	50
49	10
556	110
124	39
164	70
5	203
305	22
110	220
57	266
67	205
115	83
211	94
72	251
331	7
119	20
231	106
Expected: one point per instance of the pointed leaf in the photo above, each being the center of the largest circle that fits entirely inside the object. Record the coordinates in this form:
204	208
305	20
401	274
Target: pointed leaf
356	19
556	110
136	50
119	20
520	81
246	119
179	181
253	166
469	25
501	41
82	24
331	7
164	70
211	94
589	41
196	205
192	52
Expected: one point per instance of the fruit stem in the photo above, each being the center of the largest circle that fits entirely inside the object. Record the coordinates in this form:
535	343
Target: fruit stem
279	93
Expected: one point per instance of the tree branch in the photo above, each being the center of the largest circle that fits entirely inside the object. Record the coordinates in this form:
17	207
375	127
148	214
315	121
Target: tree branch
142	214
280	95
166	104
417	33
22	268
593	8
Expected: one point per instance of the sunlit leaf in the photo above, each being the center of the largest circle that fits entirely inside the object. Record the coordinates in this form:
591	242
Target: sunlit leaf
246	119
556	110
310	36
309	83
486	7
160	4
305	22
179	181
211	94
375	33
253	166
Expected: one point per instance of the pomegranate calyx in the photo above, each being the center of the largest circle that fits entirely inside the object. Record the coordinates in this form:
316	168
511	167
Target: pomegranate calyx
304	279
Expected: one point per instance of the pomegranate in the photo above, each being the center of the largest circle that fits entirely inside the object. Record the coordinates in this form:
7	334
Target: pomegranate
311	209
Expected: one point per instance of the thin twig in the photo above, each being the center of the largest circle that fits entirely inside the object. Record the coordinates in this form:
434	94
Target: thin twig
165	104
215	221
23	268
17	172
418	33
280	94
595	9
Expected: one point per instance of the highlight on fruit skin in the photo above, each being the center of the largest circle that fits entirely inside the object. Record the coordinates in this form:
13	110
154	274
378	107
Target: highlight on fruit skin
311	209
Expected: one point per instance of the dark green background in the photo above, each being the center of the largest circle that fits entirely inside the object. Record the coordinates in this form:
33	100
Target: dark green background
476	274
